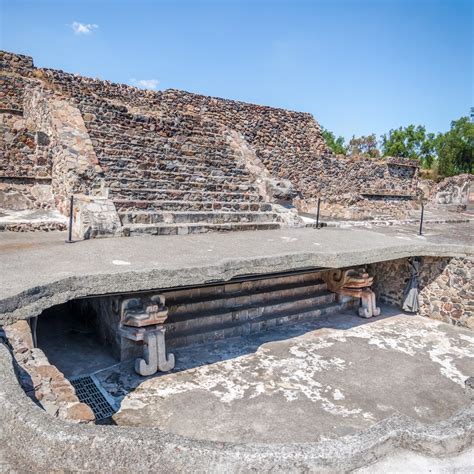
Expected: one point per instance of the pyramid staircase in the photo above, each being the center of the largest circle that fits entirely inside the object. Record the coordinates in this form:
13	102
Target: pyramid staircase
172	175
205	314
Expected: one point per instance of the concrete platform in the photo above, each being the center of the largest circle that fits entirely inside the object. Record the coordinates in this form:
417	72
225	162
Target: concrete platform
66	271
304	383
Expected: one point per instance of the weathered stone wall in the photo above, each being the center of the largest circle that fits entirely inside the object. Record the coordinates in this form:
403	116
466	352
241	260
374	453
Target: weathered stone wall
11	92
19	196
291	146
95	216
17	63
23	151
75	168
43	382
25	161
446	287
450	296
175	134
75	86
452	190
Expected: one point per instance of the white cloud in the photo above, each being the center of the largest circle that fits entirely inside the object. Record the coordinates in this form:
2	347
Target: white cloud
145	83
83	28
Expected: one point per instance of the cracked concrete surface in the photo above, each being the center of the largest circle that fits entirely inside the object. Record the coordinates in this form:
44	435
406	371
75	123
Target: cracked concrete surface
100	266
304	383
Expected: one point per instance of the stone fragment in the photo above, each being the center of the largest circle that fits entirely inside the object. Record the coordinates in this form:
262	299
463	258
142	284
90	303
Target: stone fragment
80	412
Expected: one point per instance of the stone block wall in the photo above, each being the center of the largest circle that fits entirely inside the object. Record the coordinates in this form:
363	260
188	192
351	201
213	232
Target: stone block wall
74	166
23	151
18	196
95	216
156	132
285	141
25	161
11	92
291	146
288	144
453	190
17	63
446	288
450	296
43	382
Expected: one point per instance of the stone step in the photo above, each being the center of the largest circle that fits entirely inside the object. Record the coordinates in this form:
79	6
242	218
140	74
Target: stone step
157	159
271	306
237	288
125	205
129	149
141	138
144	217
139	183
122	120
199	228
185	309
236	329
133	138
183	195
161	163
136	171
114	174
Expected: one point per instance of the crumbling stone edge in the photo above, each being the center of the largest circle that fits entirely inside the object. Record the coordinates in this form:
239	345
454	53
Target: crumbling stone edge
32	301
31	439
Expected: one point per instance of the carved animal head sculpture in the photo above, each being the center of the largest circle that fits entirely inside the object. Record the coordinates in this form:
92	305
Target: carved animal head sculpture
144	311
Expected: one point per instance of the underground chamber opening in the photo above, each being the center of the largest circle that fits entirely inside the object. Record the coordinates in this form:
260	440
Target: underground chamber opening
70	337
254	360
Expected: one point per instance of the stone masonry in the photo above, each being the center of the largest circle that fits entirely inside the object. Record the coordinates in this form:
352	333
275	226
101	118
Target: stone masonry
446	287
454	190
173	162
43	382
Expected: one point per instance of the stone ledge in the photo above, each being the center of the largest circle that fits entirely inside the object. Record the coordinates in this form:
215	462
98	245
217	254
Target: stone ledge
34	300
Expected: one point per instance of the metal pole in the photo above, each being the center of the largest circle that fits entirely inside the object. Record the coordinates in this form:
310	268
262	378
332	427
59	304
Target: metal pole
421	219
71	206
317	213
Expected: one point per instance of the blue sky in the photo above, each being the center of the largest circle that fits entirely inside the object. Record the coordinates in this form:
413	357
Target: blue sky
358	66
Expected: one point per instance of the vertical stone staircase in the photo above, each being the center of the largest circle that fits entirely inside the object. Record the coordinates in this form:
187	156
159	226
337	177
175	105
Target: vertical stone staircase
172	175
204	314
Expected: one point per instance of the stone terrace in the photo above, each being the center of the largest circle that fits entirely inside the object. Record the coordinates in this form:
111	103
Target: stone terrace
174	162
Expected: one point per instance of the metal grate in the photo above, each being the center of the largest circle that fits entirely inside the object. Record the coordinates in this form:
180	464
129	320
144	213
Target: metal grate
89	391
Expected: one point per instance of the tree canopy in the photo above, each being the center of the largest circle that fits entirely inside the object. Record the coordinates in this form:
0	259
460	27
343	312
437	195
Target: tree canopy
451	152
335	144
410	142
364	146
455	148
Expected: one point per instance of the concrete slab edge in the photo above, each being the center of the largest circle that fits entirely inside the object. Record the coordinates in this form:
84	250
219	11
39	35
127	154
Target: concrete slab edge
30	439
32	301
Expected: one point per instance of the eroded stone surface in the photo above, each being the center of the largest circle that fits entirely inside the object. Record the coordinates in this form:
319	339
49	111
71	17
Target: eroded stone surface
43	382
342	372
185	154
446	287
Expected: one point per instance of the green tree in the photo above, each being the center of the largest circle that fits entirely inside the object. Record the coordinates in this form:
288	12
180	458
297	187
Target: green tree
410	142
455	148
337	145
364	146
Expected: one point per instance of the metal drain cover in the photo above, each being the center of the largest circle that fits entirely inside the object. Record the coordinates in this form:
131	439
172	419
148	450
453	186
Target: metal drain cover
89	391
